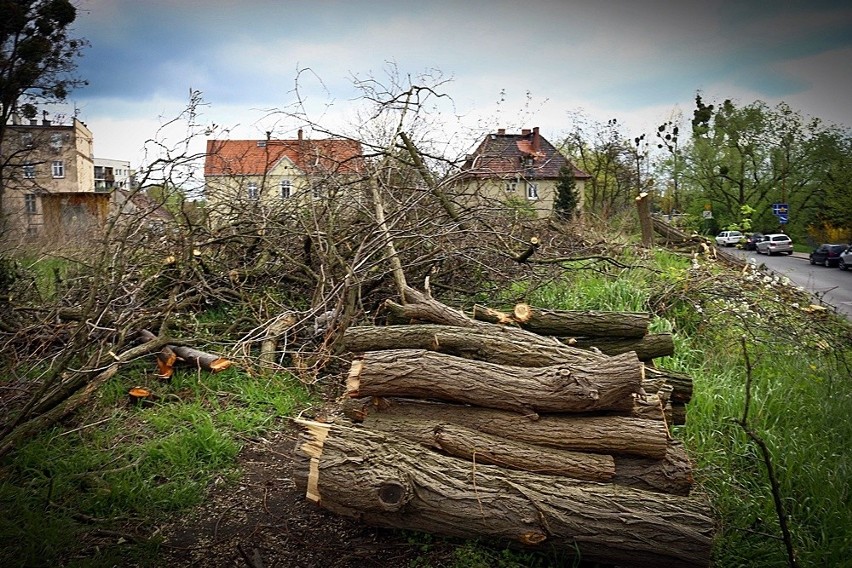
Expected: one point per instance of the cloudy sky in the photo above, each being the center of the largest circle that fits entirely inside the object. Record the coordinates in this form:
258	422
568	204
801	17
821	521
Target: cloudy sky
506	63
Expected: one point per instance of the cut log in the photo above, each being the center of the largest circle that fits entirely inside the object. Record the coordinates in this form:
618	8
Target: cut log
166	359
193	357
576	432
497	344
581	323
672	474
643	210
384	481
608	384
503	345
477	447
646	348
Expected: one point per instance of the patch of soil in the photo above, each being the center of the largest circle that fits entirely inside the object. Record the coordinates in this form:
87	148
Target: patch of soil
264	522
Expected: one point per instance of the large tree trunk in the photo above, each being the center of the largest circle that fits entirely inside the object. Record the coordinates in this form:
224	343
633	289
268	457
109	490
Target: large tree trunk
583	323
503	345
421	422
646	348
477	447
385	481
595	434
608	384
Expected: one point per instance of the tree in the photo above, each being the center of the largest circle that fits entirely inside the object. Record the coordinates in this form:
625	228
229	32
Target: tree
567	199
37	59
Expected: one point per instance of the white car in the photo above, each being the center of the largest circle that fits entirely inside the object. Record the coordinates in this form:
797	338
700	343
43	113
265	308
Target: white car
728	238
775	243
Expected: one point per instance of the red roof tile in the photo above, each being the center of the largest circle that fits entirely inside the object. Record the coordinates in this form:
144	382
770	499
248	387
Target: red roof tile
257	157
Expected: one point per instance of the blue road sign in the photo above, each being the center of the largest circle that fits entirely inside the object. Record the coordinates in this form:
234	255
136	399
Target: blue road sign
782	218
780	208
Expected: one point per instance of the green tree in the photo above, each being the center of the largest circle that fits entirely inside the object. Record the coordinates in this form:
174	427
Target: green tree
758	155
37	59
567	198
604	153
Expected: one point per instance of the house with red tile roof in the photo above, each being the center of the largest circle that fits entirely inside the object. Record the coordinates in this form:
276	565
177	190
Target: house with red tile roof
517	170
238	173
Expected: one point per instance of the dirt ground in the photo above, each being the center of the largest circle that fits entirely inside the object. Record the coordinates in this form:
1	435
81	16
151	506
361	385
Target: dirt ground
264	522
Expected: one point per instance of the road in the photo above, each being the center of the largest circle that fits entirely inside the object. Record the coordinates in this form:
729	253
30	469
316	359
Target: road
833	285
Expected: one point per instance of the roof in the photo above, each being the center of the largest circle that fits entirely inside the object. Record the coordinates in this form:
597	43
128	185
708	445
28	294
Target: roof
257	157
527	154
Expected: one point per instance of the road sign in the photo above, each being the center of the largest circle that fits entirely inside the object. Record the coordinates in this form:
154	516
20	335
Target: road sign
780	208
707	214
782	218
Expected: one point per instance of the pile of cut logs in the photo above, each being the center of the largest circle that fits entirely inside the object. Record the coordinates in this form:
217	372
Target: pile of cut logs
490	427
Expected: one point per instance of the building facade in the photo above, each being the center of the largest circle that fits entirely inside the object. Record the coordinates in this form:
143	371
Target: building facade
516	170
272	173
49	180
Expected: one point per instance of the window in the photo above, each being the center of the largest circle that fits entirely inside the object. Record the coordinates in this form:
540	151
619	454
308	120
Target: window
532	190
30	204
253	193
317	192
511	186
56	141
27	139
29	171
285	188
58	169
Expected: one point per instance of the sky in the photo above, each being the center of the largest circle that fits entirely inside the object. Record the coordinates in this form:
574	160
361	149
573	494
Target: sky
506	64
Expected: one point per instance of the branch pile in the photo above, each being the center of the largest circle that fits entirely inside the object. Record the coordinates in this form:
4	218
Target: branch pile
468	428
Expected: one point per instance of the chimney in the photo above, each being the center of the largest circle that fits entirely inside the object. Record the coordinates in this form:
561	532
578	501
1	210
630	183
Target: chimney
536	141
501	131
45	122
300	135
525	132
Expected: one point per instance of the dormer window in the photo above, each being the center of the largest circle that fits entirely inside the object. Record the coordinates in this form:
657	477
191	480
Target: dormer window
286	186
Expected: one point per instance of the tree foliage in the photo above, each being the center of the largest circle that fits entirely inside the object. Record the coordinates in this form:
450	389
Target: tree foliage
565	204
755	155
37	55
605	154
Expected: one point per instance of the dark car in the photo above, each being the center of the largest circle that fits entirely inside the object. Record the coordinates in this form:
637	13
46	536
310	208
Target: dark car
751	241
827	254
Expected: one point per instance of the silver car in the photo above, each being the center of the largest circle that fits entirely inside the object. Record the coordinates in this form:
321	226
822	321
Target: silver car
775	243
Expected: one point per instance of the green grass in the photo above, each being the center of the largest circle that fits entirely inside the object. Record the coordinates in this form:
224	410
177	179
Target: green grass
127	464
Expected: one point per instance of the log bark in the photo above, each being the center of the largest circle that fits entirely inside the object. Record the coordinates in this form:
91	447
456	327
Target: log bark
643	209
382	480
581	323
416	422
672	474
503	345
594	434
192	357
477	447
608	384
646	348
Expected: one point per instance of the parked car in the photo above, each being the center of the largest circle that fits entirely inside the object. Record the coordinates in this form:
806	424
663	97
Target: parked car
827	254
751	240
775	243
845	260
728	238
